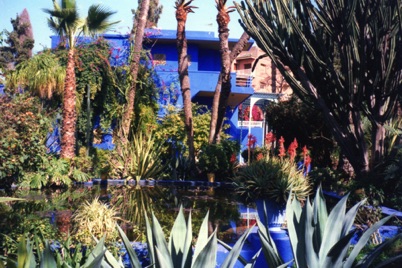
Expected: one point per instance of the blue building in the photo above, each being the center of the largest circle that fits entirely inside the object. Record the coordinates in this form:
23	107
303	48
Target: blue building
204	68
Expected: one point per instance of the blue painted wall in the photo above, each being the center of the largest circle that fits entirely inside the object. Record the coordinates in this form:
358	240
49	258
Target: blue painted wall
203	48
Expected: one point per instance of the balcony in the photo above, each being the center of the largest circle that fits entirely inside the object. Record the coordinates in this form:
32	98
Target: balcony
203	83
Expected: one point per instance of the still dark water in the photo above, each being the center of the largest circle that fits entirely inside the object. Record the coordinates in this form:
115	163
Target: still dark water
225	212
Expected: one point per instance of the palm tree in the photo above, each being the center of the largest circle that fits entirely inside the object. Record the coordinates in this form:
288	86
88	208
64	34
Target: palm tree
224	86
65	21
42	75
182	9
139	28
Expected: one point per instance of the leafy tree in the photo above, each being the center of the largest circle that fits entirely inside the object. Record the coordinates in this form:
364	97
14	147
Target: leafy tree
342	56
172	127
20	42
23	125
184	7
65	21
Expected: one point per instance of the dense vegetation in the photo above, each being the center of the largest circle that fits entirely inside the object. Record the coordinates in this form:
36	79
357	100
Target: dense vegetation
345	115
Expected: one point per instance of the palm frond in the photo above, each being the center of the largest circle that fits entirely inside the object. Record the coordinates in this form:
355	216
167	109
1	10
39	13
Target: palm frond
98	19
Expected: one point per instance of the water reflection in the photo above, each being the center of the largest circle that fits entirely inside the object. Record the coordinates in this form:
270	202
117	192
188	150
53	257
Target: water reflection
132	201
165	201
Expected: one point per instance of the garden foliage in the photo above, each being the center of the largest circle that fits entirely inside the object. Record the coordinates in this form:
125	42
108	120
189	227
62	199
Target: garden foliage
23	127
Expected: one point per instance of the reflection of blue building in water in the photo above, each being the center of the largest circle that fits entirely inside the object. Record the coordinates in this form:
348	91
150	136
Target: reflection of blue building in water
204	68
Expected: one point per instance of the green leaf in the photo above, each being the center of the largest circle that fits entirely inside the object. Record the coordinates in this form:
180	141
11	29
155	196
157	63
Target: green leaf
96	255
202	237
207	255
48	260
188	252
8	199
234	253
177	240
363	240
160	242
333	227
131	252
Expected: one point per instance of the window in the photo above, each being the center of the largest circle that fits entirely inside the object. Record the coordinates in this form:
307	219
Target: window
159	59
247	66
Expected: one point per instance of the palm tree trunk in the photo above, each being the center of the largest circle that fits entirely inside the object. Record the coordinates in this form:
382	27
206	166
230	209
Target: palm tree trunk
69	110
221	97
185	82
134	67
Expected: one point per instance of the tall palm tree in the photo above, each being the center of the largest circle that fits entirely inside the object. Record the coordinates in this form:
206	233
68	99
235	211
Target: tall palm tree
182	9
65	21
224	86
138	28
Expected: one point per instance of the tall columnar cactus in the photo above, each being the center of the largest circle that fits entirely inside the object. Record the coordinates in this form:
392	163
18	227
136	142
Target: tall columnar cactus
343	56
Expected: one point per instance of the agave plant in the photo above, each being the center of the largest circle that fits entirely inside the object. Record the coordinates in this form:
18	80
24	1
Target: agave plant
322	240
178	251
141	159
326	237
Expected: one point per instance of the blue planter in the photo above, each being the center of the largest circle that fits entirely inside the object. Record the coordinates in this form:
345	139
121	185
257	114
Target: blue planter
274	220
275	217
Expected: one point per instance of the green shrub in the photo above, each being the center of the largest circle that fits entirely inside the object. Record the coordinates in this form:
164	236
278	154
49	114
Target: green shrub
23	128
31	226
56	172
219	158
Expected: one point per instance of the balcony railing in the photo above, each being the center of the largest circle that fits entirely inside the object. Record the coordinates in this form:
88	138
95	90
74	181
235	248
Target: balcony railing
243	80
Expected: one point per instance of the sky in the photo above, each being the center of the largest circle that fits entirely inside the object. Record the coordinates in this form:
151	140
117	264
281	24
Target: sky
204	18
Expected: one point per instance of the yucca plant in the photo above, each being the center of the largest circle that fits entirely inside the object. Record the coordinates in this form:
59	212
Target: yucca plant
141	159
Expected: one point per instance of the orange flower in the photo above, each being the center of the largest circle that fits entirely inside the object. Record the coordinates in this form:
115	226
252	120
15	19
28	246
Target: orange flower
270	138
233	158
292	149
259	156
282	152
307	161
